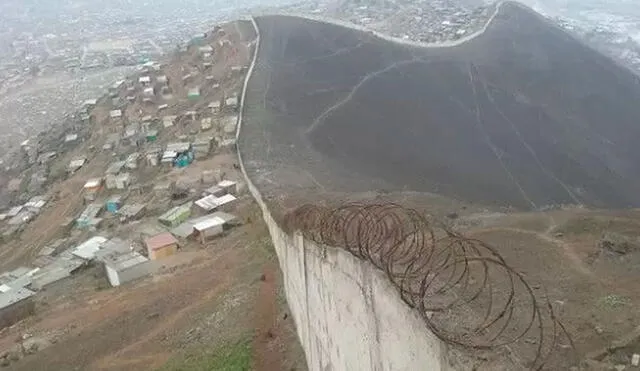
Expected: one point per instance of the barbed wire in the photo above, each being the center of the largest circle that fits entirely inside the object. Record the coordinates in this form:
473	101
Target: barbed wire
462	287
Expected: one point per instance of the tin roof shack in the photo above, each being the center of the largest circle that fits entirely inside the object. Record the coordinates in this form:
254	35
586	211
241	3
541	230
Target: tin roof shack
161	245
208	228
214	191
168	121
15	305
120	181
115	168
148	92
145	80
229	186
215	106
152	156
205	49
131	212
23	217
229	125
90	103
89	216
206	124
186	229
231	103
194	93
178	154
57	269
114	204
87	250
162	80
132	161
75	165
16	279
123	268
36	203
115	114
202	147
211	202
176	215
91	188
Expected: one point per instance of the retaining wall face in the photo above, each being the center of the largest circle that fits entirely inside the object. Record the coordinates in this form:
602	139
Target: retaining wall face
347	314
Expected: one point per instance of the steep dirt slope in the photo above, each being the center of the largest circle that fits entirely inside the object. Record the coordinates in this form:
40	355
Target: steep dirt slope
522	115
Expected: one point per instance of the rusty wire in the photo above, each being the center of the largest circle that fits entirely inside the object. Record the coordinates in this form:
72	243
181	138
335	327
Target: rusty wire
463	289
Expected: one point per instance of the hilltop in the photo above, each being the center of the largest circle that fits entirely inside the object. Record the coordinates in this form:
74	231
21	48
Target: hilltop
522	115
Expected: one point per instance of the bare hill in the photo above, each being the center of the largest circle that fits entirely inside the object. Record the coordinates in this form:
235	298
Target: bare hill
521	115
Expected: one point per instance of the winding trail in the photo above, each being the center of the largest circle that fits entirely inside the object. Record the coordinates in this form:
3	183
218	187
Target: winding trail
320	119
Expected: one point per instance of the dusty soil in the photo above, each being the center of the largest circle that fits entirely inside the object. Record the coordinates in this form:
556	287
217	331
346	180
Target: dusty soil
202	298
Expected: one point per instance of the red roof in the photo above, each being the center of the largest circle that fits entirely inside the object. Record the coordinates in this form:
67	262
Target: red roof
160	240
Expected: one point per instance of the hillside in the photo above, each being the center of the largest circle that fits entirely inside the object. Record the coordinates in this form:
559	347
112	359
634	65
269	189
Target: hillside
210	302
522	115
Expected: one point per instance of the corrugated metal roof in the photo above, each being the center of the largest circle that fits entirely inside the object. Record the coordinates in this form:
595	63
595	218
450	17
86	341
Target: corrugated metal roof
210	222
185	229
123	261
92	183
115	167
13	296
88	249
176	212
211	202
226	183
178	147
228	218
223	200
207	203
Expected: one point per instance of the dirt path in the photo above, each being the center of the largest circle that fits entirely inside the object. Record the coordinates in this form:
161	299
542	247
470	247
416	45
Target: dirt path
567	248
267	356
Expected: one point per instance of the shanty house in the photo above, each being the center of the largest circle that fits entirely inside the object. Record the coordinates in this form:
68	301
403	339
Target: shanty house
89	216
75	165
126	267
176	215
144	80
120	181
208	228
161	245
206	123
168	121
214	106
88	249
211	202
15	305
205	49
90	102
113	204
194	93
115	114
131	212
132	161
229	186
231	102
91	188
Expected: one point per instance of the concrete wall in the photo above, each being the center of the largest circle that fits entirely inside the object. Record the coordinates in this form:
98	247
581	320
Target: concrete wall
347	314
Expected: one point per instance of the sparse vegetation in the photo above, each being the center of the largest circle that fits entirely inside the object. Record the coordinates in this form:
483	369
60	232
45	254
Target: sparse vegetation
229	357
598	225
